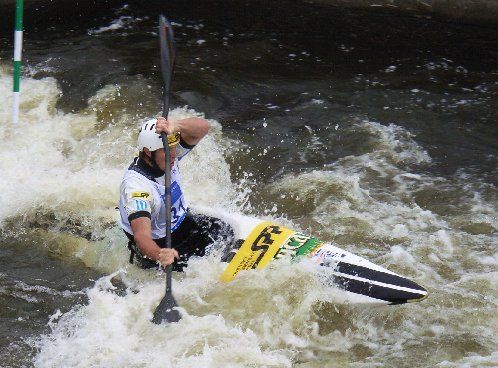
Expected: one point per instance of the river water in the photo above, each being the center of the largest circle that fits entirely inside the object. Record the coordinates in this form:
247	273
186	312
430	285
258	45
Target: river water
369	130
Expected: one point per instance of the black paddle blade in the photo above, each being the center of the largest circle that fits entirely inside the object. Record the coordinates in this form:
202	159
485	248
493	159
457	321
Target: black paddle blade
165	311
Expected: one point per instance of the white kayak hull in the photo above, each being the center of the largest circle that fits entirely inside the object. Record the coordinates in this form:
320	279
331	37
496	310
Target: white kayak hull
261	242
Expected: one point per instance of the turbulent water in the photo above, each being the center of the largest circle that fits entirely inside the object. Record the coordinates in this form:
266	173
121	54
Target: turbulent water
374	132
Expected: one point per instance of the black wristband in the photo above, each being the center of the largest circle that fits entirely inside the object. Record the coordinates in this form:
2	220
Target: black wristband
185	144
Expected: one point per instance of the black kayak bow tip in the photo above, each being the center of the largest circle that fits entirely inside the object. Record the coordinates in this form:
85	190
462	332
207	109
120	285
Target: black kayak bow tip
166	310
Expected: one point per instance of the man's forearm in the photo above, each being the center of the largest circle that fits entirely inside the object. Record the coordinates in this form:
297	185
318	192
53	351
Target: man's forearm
193	129
147	246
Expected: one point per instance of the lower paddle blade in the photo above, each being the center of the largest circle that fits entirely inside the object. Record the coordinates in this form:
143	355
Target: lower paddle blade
166	310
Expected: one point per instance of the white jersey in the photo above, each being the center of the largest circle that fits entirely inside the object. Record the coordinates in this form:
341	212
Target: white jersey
142	195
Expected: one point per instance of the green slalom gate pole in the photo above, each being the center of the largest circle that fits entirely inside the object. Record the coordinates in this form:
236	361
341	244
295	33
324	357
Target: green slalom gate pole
17	60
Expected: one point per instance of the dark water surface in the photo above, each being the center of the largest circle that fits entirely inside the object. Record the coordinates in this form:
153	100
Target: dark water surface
305	90
436	79
34	285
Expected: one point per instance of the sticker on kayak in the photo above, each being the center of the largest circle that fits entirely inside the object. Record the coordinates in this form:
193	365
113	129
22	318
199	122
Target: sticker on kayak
266	242
299	245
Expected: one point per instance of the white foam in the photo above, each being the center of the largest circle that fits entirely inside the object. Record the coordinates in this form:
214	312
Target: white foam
122	22
44	290
445	239
220	326
71	168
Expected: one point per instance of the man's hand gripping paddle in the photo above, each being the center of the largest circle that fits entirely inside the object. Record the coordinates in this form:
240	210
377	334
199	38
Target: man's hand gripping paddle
166	310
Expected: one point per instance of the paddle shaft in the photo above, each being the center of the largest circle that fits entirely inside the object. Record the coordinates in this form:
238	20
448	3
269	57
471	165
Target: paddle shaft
167	201
167	46
166	310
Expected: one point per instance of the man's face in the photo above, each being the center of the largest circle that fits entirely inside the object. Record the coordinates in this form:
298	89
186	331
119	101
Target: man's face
160	156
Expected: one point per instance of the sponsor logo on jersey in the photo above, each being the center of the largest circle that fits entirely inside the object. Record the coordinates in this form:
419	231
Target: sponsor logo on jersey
141	205
143	195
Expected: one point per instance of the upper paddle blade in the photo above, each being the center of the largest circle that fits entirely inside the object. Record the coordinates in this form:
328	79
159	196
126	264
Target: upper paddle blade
166	310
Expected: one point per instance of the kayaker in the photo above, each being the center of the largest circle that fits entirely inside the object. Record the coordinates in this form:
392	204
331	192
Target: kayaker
141	201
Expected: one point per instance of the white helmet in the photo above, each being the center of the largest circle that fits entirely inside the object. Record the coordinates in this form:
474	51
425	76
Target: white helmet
148	138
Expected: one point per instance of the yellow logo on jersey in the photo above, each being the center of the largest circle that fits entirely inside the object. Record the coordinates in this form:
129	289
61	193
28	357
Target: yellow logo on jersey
142	195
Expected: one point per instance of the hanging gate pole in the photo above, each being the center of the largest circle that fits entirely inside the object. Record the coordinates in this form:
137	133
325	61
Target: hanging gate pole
17	60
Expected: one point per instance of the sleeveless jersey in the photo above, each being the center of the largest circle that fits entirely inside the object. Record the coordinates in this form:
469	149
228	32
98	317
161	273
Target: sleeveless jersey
142	195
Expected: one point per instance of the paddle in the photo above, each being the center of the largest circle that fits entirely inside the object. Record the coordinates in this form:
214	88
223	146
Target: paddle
166	310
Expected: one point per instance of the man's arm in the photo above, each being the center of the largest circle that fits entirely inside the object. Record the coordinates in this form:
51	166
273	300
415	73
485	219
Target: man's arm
191	129
141	232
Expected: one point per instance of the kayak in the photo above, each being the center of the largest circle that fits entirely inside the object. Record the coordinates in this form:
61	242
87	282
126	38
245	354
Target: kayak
262	242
